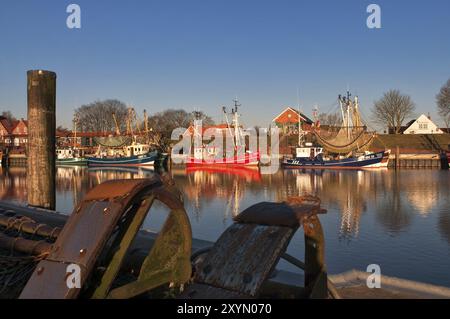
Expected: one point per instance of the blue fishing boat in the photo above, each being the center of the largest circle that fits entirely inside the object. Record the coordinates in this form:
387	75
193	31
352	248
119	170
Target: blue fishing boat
346	146
365	160
133	155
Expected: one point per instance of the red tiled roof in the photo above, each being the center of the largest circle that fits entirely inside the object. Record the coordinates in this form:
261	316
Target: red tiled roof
16	123
290	115
6	124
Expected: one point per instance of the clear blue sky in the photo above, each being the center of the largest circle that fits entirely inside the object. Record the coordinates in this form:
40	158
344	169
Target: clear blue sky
201	54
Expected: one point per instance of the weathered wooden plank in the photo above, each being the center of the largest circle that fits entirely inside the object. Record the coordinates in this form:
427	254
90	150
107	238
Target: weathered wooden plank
243	257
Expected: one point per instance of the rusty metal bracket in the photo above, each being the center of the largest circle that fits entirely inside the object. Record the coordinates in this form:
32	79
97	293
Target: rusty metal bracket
98	235
315	269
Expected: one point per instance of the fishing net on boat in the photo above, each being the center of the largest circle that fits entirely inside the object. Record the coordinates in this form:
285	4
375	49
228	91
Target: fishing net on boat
350	135
17	258
113	141
343	141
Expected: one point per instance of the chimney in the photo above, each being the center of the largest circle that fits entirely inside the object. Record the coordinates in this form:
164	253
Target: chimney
429	116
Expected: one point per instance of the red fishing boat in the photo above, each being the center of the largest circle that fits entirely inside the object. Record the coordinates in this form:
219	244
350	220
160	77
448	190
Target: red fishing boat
247	159
210	156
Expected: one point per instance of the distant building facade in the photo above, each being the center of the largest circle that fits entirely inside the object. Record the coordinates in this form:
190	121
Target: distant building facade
423	125
13	133
288	121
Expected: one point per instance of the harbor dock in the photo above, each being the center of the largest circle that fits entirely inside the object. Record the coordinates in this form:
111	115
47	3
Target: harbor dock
348	285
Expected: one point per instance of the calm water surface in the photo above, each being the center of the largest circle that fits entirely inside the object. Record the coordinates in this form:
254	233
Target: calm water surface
399	220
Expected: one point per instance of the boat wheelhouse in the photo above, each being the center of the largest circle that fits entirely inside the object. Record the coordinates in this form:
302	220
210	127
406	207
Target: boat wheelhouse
70	156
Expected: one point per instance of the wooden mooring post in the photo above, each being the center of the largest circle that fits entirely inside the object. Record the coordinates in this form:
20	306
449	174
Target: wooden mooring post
397	157
41	92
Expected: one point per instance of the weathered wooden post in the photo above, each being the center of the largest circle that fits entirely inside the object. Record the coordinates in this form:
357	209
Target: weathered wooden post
41	89
397	157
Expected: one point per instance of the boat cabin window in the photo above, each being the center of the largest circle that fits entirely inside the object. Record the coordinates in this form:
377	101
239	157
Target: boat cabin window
308	152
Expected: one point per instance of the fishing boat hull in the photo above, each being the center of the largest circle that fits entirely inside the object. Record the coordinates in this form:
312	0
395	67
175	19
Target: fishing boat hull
248	160
148	159
373	160
71	162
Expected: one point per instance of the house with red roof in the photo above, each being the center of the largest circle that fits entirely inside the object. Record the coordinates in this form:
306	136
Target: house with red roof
5	130
13	134
19	133
288	121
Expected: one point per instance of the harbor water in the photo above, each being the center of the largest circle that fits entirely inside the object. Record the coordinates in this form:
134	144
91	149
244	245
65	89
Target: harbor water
399	220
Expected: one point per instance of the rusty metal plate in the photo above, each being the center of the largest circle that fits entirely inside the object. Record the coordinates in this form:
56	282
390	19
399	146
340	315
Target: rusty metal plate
113	190
86	232
243	257
49	274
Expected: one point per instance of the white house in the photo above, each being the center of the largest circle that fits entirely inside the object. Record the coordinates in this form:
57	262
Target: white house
423	125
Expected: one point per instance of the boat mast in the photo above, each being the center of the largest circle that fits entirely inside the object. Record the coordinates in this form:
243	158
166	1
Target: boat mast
129	126
348	113
228	122
147	137
116	124
300	130
75	132
145	121
236	122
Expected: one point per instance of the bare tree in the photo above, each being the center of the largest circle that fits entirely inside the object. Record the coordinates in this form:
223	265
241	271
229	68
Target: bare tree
61	128
9	116
332	120
443	103
98	116
392	109
163	123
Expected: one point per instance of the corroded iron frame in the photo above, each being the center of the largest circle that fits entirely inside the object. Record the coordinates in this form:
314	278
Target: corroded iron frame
124	205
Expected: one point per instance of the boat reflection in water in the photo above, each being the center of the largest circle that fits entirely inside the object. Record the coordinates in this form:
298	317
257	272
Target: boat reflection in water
227	184
397	219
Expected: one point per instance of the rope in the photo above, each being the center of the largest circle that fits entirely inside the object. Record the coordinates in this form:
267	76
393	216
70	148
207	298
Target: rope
16	268
15	272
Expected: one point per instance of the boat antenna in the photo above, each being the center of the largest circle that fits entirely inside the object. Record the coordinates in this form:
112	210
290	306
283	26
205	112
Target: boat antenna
236	104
